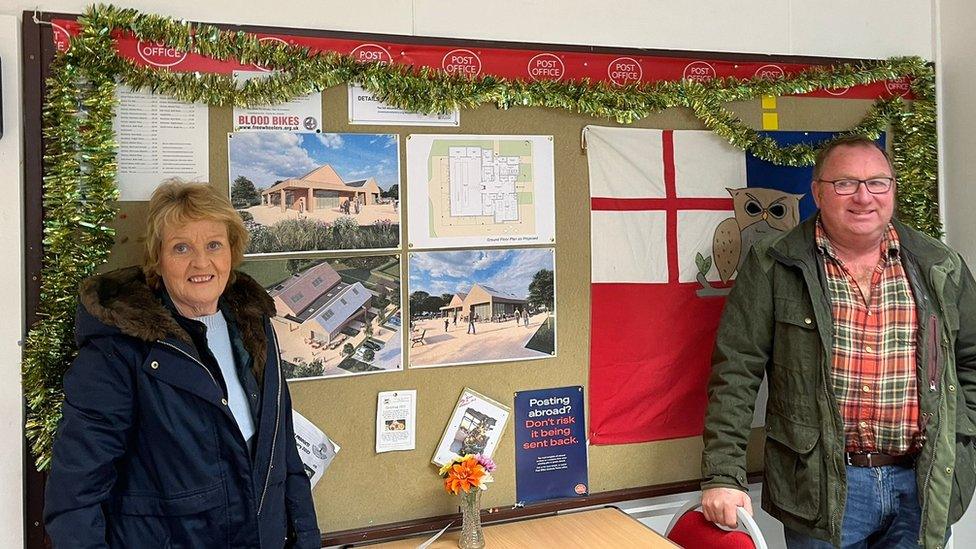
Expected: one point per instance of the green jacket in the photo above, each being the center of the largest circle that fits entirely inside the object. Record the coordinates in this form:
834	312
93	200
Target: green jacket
777	321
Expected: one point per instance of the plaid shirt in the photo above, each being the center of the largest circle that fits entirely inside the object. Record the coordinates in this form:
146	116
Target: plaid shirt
873	369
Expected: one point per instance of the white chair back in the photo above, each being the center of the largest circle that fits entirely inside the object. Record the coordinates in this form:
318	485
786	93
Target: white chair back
746	522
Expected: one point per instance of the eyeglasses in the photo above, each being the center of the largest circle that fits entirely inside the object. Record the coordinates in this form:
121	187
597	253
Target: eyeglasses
875	185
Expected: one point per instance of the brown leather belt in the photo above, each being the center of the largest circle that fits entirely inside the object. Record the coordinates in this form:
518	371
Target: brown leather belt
867	459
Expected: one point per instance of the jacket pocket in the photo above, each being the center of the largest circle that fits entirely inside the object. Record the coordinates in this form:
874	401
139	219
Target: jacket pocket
934	350
793	467
185	520
964	477
187	503
796	340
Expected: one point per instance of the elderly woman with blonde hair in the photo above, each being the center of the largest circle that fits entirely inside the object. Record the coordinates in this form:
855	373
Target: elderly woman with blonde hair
177	425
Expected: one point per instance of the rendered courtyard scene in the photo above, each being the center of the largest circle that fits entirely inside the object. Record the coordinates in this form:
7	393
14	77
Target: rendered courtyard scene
483	323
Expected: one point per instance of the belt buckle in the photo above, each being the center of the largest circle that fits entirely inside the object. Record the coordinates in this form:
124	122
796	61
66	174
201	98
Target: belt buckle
849	457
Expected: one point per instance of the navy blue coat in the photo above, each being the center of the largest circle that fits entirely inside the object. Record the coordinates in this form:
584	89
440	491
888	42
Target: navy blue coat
148	454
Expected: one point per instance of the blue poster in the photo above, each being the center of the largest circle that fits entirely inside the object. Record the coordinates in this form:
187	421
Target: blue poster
550	444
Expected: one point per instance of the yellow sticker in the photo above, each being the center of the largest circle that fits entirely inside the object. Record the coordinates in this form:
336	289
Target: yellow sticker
770	121
769	101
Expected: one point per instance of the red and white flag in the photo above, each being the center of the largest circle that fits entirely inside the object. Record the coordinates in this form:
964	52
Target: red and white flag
659	201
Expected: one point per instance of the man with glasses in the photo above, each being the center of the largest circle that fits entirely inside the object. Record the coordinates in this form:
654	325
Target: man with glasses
866	330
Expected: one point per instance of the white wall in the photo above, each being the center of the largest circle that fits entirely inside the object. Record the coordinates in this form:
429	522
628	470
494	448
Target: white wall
873	29
956	65
957	71
11	290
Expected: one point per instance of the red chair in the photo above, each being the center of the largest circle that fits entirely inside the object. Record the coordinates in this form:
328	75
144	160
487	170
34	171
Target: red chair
691	530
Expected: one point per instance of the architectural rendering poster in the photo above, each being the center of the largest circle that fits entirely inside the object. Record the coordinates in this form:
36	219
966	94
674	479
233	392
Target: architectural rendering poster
475	427
550	444
478	306
335	317
480	190
316	191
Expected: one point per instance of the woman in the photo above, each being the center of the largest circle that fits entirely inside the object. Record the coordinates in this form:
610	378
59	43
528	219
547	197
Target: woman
177	425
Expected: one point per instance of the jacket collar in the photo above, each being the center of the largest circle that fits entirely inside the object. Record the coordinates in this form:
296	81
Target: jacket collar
123	300
799	244
926	249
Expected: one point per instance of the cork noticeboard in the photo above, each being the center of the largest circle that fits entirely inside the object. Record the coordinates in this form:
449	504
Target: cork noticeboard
363	489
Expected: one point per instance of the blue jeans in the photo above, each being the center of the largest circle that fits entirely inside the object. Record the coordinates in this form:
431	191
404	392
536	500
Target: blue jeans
882	511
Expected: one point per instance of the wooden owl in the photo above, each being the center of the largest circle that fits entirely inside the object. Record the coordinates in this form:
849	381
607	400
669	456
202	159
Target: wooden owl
758	212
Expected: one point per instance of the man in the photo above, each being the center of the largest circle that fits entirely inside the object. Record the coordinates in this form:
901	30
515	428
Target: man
867	332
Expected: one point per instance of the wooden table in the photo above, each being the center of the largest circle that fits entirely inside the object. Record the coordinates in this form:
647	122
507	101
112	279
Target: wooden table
608	528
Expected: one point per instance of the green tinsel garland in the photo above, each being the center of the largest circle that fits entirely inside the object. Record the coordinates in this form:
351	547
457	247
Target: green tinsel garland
80	169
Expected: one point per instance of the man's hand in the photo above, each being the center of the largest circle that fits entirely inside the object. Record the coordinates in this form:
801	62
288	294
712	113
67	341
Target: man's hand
719	505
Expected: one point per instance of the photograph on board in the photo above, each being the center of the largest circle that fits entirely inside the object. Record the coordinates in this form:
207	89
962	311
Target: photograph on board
475	427
335	317
469	307
316	191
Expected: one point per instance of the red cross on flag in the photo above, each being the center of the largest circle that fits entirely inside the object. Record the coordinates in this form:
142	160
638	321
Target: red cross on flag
657	199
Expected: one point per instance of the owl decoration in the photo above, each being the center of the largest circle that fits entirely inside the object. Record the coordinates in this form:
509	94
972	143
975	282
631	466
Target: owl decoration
758	212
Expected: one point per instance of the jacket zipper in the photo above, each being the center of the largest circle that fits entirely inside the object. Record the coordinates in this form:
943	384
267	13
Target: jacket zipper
934	353
274	438
935	345
193	358
928	477
835	417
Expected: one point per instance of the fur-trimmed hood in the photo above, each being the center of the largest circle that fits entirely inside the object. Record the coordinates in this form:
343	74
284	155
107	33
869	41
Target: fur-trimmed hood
120	302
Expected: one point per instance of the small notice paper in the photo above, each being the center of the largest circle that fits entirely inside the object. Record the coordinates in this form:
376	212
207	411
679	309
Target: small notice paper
396	421
159	138
365	108
315	447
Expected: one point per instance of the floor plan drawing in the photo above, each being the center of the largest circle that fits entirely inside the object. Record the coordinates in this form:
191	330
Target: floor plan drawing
483	183
480	189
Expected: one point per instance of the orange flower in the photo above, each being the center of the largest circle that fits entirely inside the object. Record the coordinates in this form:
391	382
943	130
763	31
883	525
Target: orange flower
464	476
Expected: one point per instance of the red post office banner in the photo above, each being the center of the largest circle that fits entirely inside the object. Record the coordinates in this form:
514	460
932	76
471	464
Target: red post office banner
516	64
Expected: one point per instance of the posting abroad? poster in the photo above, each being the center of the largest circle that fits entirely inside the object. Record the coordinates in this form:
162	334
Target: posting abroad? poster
550	444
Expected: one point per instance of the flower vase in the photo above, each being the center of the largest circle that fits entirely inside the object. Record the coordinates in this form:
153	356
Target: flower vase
472	537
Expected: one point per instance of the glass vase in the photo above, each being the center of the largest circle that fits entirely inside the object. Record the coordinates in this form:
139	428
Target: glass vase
472	537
